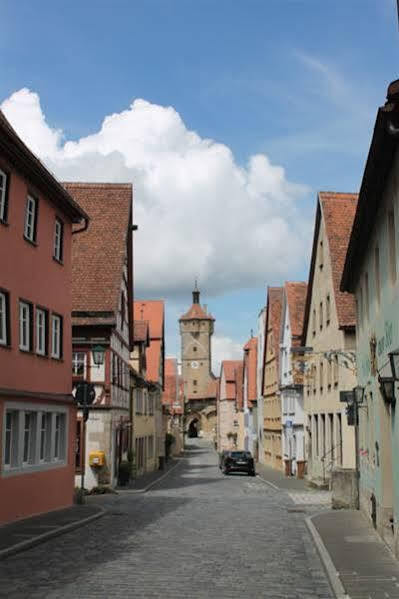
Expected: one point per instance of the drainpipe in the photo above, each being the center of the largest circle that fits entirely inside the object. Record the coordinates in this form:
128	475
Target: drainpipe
82	229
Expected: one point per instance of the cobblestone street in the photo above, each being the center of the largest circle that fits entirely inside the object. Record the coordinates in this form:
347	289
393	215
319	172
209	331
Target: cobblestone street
196	534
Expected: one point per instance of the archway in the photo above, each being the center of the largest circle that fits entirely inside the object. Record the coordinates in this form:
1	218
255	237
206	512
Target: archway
193	429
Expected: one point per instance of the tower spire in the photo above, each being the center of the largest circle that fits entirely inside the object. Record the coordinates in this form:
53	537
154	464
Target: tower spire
196	293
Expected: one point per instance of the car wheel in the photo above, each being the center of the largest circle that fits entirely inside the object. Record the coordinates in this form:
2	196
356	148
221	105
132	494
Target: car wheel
252	473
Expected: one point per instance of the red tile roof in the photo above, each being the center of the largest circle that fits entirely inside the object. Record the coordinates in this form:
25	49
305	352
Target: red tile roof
196	312
173	392
229	367
98	254
14	150
239	376
153	312
338	211
250	366
295	294
141	331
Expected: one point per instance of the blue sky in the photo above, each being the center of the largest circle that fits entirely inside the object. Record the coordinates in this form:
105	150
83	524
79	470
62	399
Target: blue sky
297	80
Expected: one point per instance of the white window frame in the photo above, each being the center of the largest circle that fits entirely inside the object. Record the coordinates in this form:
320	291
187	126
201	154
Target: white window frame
56	336
30	218
3	195
41	331
3	319
58	239
24	326
52	456
76	362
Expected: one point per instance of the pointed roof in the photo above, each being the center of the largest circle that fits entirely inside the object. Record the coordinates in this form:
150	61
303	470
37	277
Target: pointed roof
99	253
196	312
295	296
141	332
338	211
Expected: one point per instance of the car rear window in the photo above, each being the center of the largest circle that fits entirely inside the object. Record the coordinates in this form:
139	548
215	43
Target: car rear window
240	454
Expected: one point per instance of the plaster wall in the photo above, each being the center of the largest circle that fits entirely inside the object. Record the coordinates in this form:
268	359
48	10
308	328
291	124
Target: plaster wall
328	435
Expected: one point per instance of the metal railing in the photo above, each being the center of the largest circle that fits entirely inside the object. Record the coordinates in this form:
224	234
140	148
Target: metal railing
331	462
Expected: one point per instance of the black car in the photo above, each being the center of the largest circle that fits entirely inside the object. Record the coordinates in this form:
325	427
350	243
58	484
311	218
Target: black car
238	461
222	457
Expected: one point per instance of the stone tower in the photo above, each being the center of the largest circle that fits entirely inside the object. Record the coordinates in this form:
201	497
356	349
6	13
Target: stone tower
196	329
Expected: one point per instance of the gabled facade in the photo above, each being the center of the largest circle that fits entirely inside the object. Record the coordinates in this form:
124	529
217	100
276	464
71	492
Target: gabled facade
37	411
371	273
102	297
250	394
227	421
148	429
329	330
272	444
291	379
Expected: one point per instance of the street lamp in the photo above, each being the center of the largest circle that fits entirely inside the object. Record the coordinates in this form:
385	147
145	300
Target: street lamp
98	355
358	393
394	360
387	386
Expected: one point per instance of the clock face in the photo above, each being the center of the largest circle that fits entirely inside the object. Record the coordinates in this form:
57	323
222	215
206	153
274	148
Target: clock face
194	364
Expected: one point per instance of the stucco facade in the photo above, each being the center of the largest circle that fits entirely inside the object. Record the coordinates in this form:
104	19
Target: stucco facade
227	419
371	272
258	417
330	367
37	411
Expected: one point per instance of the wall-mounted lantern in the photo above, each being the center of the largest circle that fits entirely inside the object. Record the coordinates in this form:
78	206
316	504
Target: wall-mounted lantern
98	355
387	386
394	360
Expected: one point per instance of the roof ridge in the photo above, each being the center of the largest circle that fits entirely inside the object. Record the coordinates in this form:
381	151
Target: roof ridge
126	185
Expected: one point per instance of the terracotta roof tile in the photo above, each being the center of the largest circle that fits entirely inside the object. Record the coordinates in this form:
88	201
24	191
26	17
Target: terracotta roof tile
239	376
141	331
152	311
98	254
196	311
229	367
295	294
273	322
250	366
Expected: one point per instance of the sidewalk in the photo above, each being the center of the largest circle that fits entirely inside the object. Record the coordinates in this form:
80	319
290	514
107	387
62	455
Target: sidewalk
358	563
26	533
279	480
144	482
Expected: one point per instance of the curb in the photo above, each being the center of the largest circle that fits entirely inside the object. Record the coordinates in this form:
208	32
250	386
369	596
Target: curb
267	482
148	487
46	536
331	571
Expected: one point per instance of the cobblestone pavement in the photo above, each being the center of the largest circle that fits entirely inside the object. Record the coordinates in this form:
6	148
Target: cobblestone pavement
311	497
196	534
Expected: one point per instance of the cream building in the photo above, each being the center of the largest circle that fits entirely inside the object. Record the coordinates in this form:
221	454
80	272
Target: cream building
227	420
329	333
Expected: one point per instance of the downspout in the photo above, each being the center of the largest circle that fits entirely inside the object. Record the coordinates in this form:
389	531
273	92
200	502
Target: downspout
82	229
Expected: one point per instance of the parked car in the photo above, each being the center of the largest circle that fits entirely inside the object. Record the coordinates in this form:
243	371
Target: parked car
222	457
238	461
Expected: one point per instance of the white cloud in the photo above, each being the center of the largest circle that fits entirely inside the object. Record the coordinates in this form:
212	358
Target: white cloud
224	348
199	213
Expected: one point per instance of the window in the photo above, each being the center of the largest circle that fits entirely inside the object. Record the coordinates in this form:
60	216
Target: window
335	371
377	275
30	219
321	315
195	348
151	404
33	439
328	310
329	374
321	373
25	326
4	318
123	308
3	196
41	332
392	246
56	336
29	437
78	363
45	436
58	240
314	322
194	383
150	442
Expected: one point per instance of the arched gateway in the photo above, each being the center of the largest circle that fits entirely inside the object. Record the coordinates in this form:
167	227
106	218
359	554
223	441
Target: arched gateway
199	384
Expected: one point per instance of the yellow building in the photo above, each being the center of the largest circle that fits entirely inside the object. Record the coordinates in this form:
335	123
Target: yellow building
272	442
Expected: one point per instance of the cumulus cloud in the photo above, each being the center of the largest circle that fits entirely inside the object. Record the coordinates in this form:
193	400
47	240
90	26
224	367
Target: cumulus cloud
224	348
200	214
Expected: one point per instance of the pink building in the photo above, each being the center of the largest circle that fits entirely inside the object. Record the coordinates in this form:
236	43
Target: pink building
37	413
